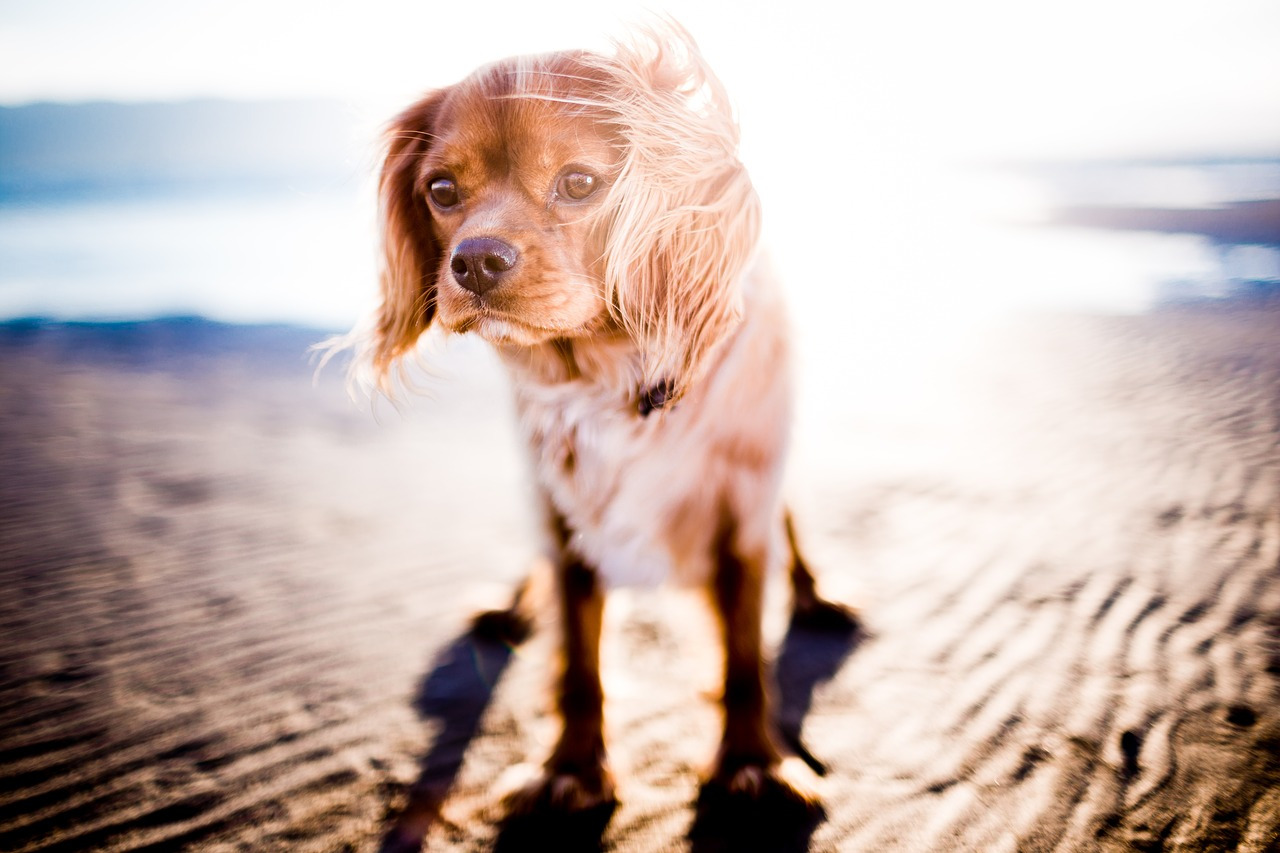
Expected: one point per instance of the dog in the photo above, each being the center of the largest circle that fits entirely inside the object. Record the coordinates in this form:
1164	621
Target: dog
588	216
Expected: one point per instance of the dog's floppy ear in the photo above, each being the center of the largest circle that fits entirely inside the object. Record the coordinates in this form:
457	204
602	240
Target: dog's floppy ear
411	254
685	218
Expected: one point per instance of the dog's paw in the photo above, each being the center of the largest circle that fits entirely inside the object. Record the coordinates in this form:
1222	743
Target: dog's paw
758	805
787	779
563	791
502	626
818	614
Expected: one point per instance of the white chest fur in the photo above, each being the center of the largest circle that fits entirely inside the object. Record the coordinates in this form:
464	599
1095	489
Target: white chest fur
645	497
608	472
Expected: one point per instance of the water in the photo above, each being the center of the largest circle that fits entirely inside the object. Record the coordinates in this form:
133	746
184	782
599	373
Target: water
960	244
300	256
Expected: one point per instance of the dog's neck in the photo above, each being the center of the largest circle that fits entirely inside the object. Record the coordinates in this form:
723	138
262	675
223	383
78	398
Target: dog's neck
609	363
608	360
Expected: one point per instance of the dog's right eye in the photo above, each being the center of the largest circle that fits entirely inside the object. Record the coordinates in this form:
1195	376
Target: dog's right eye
444	192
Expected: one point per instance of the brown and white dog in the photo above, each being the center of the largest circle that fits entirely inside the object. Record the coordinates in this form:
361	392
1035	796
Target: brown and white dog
588	216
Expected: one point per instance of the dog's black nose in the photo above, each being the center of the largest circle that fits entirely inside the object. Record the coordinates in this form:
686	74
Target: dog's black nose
479	263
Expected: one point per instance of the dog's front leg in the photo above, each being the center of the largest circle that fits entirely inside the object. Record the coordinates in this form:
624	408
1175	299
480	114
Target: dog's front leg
580	752
576	776
750	759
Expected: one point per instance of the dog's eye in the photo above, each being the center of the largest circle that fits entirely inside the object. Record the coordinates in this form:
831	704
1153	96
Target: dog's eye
444	192
577	185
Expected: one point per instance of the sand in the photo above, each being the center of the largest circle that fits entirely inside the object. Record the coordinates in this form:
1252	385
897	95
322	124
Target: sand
233	604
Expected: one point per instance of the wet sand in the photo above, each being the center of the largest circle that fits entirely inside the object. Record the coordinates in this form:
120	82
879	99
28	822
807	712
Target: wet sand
234	604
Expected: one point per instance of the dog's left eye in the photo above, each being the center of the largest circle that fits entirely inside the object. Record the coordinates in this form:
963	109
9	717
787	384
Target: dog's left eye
577	185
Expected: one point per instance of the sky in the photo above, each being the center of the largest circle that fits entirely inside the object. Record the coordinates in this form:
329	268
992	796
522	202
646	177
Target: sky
981	79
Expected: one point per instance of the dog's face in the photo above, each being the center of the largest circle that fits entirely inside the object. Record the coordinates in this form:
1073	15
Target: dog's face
512	184
567	196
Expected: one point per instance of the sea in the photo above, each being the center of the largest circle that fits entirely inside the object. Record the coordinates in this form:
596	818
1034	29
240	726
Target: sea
279	254
275	245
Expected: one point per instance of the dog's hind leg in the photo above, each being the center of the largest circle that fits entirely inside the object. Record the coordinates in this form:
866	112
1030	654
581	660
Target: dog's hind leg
808	609
514	623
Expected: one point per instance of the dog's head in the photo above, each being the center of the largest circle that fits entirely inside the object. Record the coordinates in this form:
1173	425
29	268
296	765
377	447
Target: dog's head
565	196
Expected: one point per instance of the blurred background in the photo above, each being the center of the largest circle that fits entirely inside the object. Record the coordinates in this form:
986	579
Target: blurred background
234	603
216	160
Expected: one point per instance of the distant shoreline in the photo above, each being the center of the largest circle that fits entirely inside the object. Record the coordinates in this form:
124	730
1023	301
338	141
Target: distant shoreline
176	341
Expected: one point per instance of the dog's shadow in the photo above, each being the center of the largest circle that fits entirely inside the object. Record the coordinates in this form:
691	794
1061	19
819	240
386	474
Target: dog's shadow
810	656
459	686
454	694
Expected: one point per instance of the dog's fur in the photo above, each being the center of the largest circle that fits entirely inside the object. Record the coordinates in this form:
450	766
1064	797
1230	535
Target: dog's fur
588	216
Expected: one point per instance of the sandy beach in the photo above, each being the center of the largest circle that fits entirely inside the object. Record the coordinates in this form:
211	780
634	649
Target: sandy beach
235	603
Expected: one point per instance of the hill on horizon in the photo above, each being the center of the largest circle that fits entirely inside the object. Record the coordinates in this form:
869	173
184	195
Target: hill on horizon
59	150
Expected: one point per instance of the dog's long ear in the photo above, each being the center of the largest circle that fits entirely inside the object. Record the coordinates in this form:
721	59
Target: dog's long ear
685	219
411	254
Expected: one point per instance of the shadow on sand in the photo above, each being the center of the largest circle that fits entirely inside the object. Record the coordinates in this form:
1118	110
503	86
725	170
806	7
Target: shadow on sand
460	685
454	694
